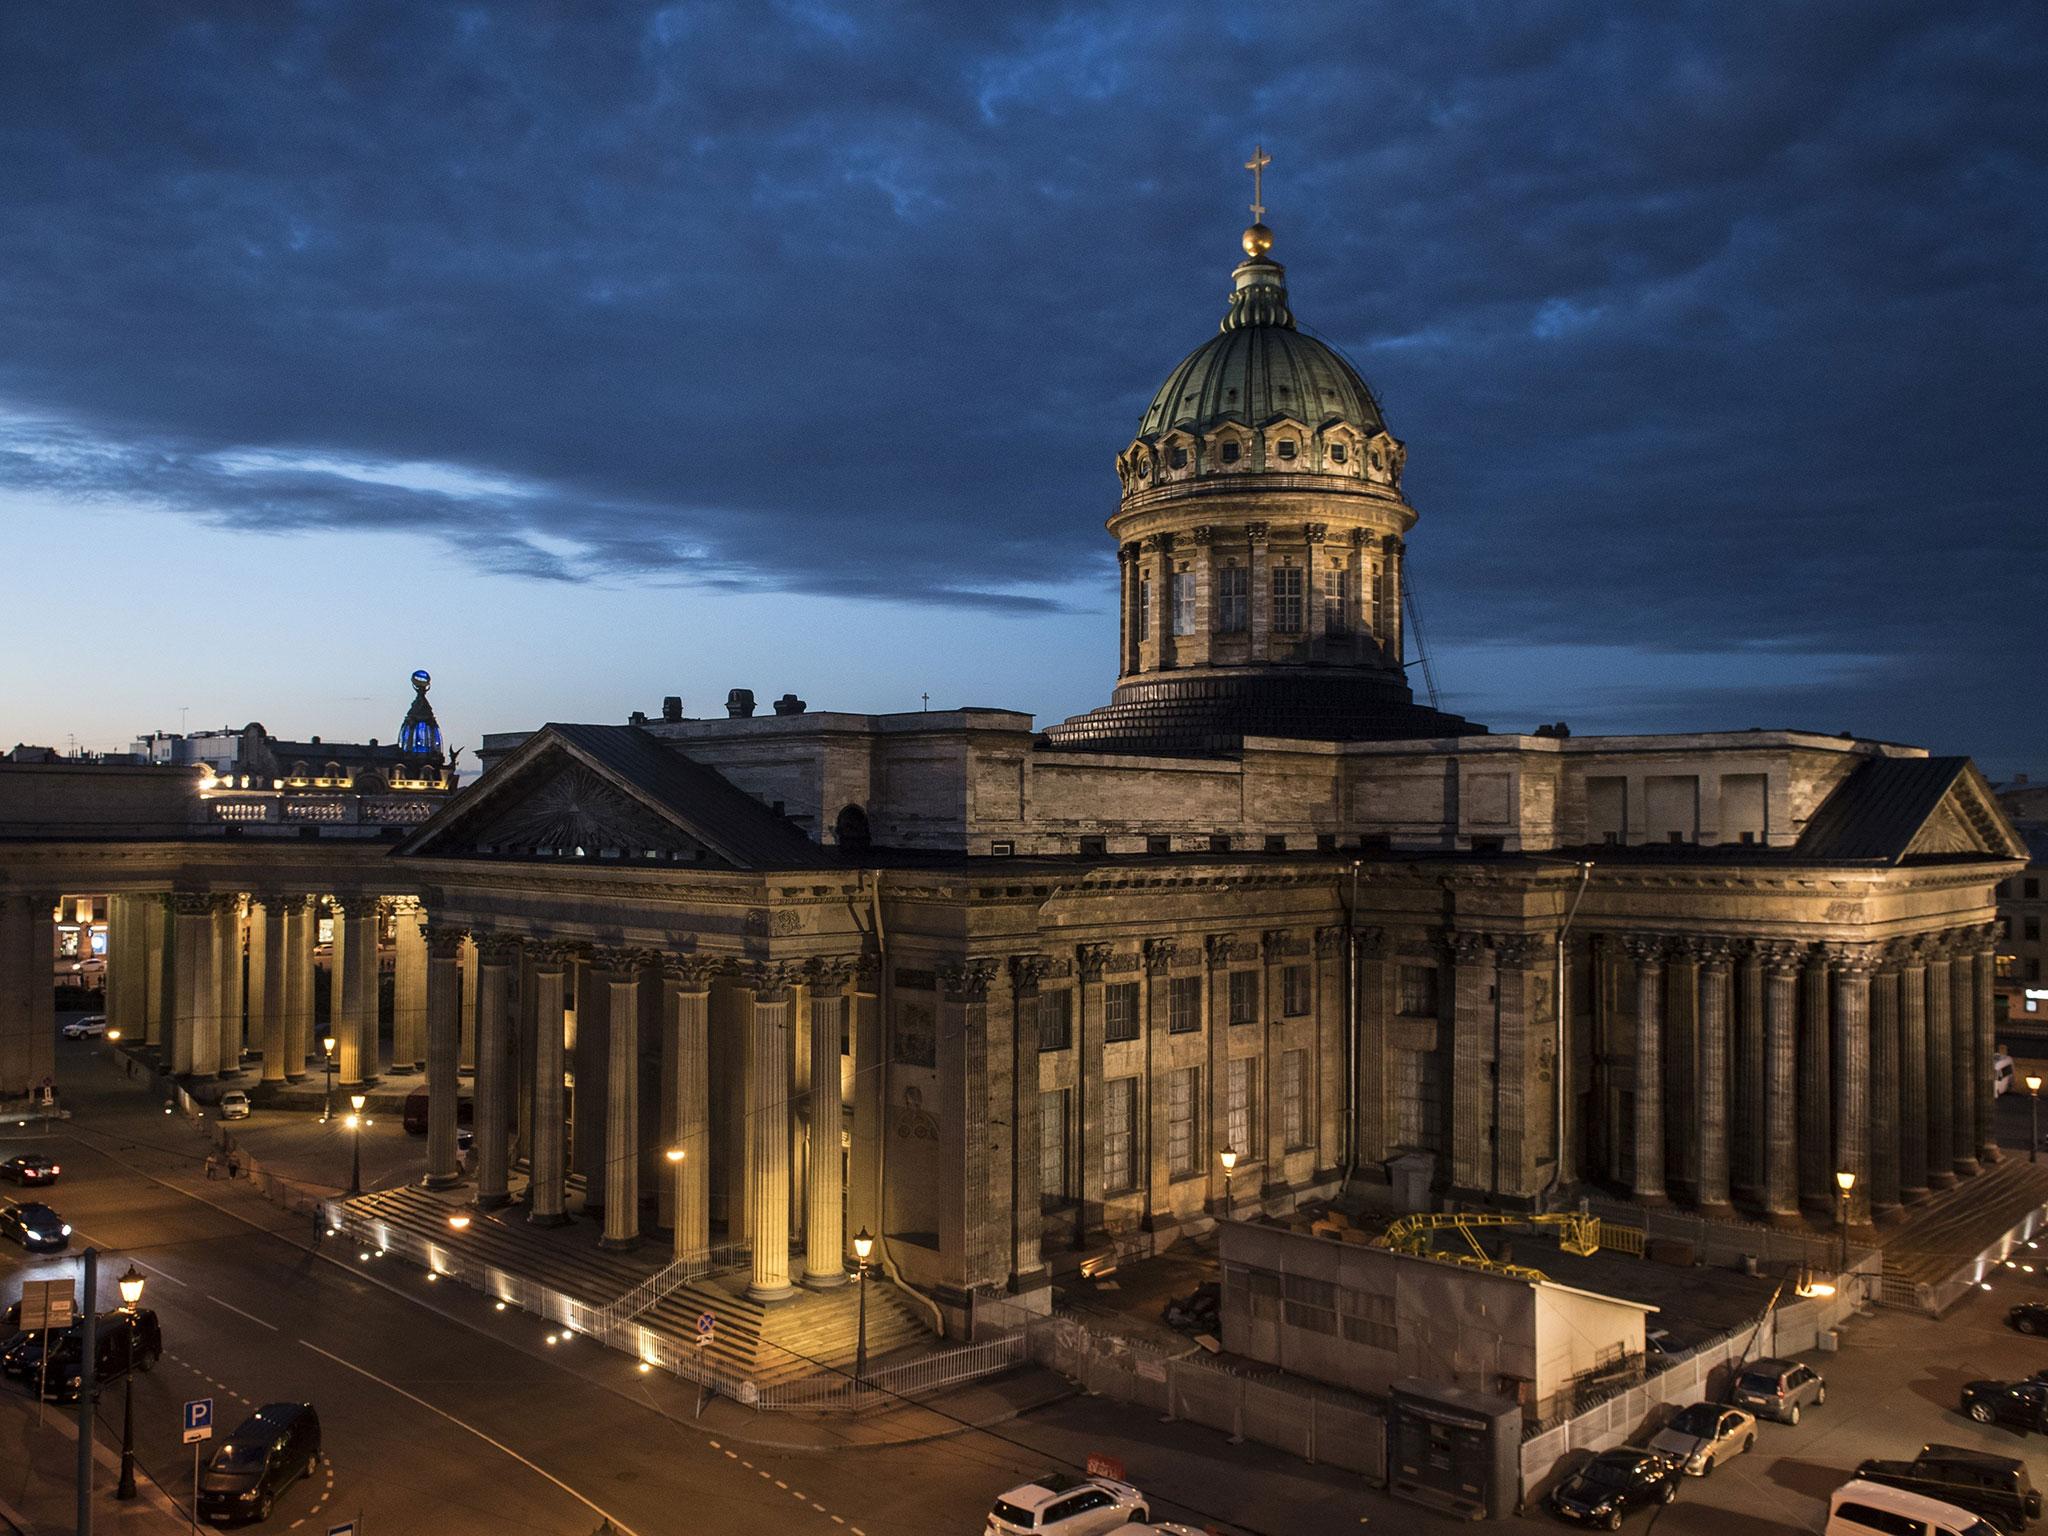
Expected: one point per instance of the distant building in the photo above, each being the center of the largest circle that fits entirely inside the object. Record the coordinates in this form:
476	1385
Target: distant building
2023	907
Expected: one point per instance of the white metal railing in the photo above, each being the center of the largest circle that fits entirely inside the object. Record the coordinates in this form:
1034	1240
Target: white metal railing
838	1392
628	1305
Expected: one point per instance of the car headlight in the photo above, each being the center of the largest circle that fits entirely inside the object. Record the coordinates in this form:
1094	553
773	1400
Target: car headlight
250	1496
66	1230
32	1235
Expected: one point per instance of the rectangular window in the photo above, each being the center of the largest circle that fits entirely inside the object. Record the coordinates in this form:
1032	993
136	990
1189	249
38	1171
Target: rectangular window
1233	600
1052	1148
1120	1133
1184	1005
1294	990
1418	991
1183	602
1244	997
1287	600
1337	601
1056	1019
1370	597
2030	929
1184	1088
1238	1105
2032	888
1367	1317
1294	1098
1311	1304
1120	1011
1144	607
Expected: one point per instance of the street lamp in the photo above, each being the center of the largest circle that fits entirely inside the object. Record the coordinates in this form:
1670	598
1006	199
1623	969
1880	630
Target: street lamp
1228	1157
2034	1140
355	1124
327	1045
131	1295
675	1156
863	1245
1845	1181
459	1221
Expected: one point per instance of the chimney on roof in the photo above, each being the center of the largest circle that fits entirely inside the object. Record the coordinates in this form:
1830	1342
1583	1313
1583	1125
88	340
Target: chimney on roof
672	707
638	717
739	704
790	704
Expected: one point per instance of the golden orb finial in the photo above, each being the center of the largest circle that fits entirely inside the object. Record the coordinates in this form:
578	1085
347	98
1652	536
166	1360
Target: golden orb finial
1257	241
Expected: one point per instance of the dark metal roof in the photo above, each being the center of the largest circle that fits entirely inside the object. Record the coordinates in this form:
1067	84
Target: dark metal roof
1876	812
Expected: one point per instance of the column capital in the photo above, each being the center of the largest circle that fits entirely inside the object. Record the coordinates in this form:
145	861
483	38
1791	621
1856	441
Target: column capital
619	962
1204	534
1985	936
1277	943
1513	951
1258	531
1374	941
183	903
1780	957
498	948
691	973
1157	543
1362	538
1852	959
966	980
1126	553
444	940
826	975
1646	949
1027	971
1315	533
1714	953
1089	959
1225	948
1466	946
1159	956
554	955
770	980
1330	941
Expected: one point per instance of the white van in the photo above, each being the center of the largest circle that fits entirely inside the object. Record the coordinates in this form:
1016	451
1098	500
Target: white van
2002	1079
1871	1509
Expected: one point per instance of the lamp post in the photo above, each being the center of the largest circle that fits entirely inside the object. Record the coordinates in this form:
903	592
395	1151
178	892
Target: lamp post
355	1124
675	1156
1228	1157
2034	1138
1844	1181
131	1294
327	1045
863	1245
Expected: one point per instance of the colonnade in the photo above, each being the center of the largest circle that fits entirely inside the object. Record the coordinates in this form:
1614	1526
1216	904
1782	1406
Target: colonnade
1759	1069
623	1009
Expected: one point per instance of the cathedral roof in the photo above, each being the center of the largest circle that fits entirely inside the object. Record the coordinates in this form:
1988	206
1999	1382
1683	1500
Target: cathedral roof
1261	367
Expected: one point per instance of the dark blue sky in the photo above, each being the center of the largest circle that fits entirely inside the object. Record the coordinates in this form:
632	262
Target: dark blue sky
587	353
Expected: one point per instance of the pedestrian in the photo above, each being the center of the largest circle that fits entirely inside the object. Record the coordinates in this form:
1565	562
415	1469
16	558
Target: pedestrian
234	1165
212	1167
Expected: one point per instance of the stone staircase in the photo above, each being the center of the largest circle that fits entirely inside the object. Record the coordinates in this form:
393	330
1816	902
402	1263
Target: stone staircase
813	1330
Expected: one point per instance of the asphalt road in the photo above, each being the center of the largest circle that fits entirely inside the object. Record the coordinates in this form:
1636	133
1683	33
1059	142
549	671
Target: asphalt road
444	1415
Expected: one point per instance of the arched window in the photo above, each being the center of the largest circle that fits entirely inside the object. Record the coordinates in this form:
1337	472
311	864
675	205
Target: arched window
850	829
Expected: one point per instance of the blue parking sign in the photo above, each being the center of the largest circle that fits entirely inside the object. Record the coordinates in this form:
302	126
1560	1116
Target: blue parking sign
198	1420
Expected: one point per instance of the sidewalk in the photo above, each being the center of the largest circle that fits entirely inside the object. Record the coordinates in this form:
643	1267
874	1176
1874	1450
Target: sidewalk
38	1487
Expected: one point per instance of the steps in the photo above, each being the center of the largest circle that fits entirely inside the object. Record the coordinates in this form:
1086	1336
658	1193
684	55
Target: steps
813	1330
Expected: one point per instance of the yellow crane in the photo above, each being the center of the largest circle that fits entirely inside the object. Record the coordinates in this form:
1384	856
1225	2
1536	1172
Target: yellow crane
1578	1232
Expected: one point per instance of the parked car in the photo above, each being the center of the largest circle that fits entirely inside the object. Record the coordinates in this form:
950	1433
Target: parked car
30	1168
1860	1509
124	1341
2022	1404
269	1451
35	1226
1613	1483
1996	1487
1156	1528
2029	1317
2002	1078
1778	1389
1703	1434
234	1105
87	1028
1064	1505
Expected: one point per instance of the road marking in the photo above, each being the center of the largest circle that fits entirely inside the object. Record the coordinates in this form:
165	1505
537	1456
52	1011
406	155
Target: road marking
596	1509
240	1313
839	1519
163	1273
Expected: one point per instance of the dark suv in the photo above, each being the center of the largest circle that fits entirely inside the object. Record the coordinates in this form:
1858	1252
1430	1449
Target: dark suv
1996	1487
269	1451
125	1341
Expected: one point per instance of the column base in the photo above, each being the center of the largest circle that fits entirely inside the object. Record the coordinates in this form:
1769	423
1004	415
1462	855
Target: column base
1913	1196
296	1077
1989	1155
1715	1210
1027	1280
1968	1168
1655	1200
612	1244
496	1202
1784	1221
1941	1181
547	1218
826	1282
441	1181
1888	1214
771	1295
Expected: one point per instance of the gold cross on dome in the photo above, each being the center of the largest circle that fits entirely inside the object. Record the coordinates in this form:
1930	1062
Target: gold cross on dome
1256	165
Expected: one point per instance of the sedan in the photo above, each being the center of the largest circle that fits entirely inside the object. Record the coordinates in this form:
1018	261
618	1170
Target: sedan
35	1226
1703	1435
2022	1404
1613	1483
30	1168
1059	1504
2029	1317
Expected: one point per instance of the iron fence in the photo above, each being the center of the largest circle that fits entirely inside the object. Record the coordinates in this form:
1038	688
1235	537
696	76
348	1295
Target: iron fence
840	1392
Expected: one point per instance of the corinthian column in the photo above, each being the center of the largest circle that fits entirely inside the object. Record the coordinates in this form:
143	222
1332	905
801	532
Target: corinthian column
1963	1085
620	971
549	1160
824	1218
1647	950
768	1141
442	985
1781	1082
1884	1086
1816	1092
1941	1170
1985	953
1852	1074
194	1015
1713	1077
409	1046
688	979
497	955
1912	1153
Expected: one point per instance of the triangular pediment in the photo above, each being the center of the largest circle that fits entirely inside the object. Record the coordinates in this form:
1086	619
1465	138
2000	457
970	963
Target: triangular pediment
1896	808
611	793
1969	819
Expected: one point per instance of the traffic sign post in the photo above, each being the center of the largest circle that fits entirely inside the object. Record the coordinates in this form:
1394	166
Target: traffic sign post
346	1528
46	1305
198	1429
707	1326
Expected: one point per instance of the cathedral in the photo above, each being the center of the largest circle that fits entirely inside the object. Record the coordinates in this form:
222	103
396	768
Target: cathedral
1260	926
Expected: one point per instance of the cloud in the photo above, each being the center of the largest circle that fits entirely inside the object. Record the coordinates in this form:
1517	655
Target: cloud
1711	329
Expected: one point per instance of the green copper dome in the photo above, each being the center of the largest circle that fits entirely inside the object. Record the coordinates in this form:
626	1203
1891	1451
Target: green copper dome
1259	369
